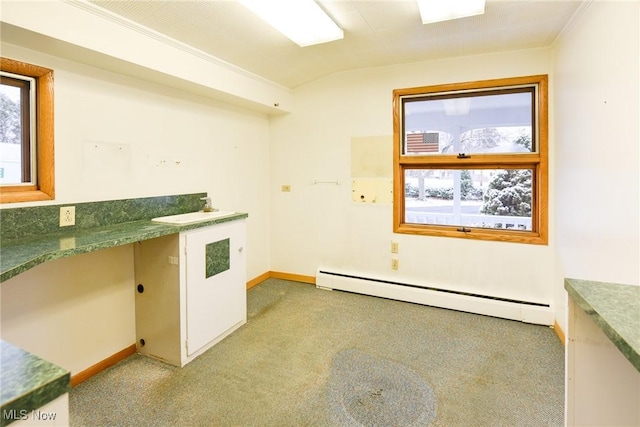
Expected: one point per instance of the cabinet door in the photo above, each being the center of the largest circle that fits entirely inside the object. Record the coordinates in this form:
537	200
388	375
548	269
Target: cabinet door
215	282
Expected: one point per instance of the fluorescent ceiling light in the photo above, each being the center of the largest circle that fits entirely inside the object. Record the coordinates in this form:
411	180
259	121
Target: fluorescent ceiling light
443	10
303	21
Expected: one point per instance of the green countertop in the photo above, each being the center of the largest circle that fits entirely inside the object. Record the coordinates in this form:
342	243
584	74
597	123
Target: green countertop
19	255
615	308
28	382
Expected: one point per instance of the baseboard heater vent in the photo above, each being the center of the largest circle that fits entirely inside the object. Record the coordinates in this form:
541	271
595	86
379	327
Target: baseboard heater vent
525	311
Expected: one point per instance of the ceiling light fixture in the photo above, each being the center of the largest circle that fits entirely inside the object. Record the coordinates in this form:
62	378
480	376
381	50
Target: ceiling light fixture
442	10
302	21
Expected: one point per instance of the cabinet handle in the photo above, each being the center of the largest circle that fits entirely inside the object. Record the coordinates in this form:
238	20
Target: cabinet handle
240	249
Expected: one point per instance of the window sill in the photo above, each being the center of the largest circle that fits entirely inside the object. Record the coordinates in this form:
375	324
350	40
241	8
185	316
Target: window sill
8	196
526	237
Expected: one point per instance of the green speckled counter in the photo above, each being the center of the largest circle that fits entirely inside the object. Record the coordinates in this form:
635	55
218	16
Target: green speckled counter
615	308
28	382
30	236
19	255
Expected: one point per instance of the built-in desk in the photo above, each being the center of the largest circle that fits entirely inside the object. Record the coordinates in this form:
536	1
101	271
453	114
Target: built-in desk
19	255
32	236
603	354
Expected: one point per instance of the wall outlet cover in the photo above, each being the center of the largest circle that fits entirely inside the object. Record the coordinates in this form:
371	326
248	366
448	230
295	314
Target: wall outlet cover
67	216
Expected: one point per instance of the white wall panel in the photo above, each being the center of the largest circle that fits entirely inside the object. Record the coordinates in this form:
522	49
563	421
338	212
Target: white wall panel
314	226
597	150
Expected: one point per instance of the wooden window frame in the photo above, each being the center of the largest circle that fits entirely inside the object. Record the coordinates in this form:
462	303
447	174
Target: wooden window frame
44	188
537	161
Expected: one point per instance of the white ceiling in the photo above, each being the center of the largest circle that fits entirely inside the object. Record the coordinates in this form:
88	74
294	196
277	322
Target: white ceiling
377	33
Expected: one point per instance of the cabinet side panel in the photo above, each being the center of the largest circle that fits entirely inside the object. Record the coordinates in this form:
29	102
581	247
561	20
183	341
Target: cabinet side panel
603	387
157	274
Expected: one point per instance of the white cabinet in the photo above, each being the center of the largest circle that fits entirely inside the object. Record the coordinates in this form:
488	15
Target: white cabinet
191	291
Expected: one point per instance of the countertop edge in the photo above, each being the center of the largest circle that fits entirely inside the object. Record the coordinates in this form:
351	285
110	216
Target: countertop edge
620	341
25	401
54	389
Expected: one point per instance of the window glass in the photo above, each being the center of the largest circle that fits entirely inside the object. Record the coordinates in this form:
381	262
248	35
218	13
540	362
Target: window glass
16	143
483	198
482	123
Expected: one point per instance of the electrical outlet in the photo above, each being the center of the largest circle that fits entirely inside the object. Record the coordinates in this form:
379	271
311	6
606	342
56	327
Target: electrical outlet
394	247
67	216
395	263
285	188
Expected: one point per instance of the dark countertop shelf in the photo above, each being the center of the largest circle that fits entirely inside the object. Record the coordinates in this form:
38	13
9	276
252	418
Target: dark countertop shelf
28	382
615	308
20	255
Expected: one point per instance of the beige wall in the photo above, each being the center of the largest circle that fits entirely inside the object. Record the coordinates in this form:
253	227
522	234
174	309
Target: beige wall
597	169
319	226
73	312
597	150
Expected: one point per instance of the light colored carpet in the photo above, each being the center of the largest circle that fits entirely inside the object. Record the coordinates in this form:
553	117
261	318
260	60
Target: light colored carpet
310	357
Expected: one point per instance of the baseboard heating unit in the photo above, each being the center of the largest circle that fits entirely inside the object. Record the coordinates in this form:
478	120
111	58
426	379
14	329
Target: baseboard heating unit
524	311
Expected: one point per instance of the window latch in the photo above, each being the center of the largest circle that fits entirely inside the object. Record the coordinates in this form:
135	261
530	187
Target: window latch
464	229
464	156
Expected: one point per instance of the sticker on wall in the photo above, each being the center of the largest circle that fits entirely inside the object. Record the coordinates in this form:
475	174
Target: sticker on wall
217	257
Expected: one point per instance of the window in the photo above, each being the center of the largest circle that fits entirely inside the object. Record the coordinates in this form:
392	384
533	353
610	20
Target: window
26	132
470	160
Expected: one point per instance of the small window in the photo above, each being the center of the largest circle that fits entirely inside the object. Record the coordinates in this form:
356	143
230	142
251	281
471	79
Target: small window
470	160
26	132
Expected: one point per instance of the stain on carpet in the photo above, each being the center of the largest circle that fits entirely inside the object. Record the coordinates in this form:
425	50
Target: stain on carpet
364	390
